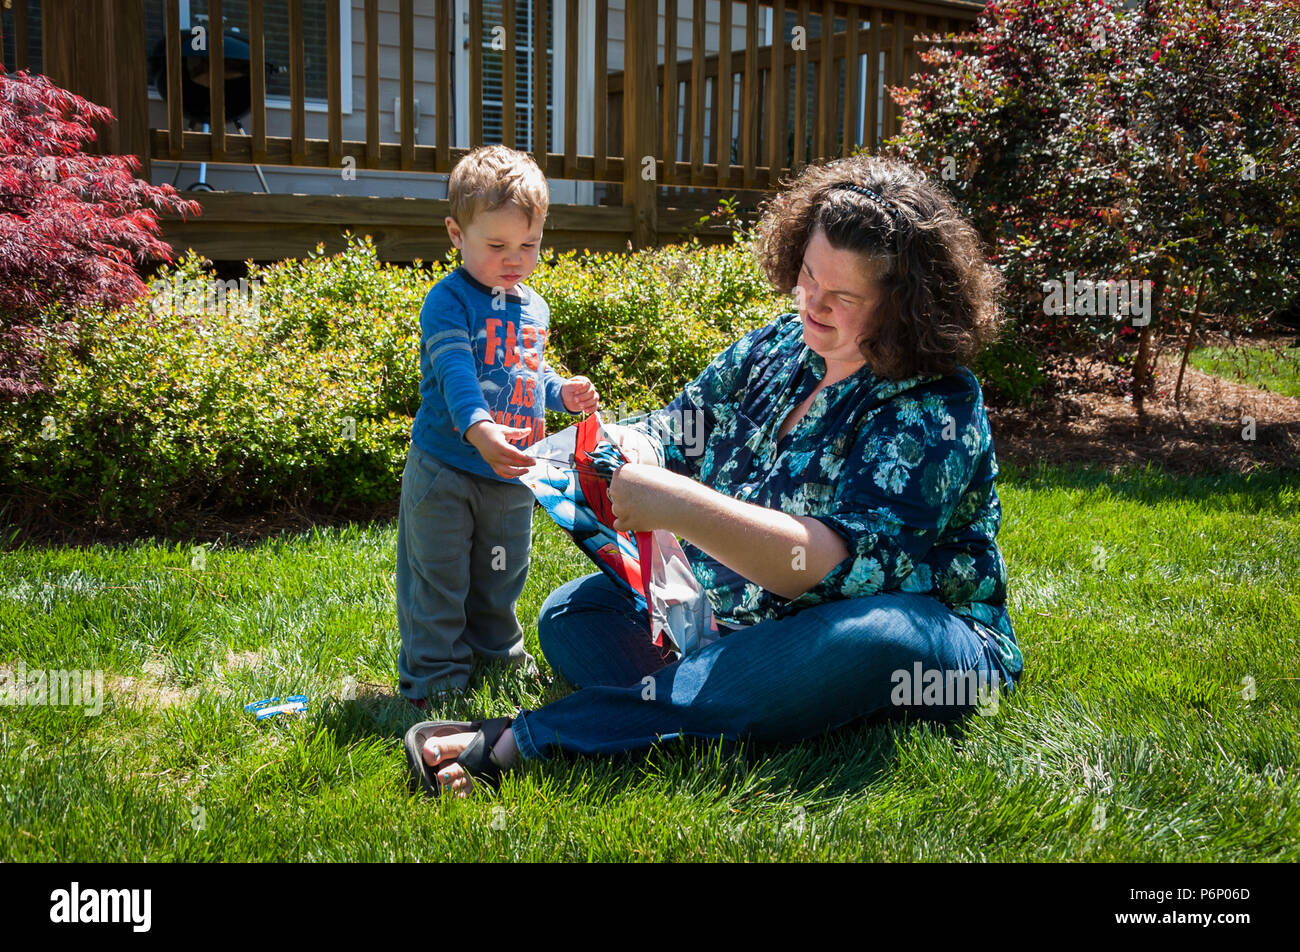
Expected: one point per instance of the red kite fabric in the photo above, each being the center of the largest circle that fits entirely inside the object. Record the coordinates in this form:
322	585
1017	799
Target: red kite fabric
571	481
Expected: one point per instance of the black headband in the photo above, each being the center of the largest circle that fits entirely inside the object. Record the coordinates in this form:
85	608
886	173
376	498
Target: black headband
876	197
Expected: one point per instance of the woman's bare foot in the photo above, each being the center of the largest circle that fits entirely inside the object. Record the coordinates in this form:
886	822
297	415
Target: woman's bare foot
442	752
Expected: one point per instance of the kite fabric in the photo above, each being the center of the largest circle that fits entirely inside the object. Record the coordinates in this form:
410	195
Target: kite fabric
571	481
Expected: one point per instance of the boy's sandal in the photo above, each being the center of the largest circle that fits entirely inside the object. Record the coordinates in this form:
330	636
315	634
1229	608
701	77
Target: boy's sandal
475	760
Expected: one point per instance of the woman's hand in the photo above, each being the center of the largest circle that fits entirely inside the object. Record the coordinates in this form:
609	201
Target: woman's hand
645	498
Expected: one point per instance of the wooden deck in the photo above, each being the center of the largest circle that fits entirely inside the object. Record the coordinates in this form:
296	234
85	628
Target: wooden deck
670	106
239	225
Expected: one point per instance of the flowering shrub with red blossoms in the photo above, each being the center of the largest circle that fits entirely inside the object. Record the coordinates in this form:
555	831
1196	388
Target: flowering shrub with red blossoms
1158	144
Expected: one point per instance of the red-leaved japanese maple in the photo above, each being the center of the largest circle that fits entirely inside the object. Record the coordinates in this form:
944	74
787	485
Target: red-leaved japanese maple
73	226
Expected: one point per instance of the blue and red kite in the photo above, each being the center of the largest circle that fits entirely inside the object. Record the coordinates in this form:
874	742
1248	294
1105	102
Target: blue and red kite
571	481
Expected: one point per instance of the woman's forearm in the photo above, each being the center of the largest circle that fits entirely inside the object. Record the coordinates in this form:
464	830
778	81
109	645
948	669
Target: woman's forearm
784	554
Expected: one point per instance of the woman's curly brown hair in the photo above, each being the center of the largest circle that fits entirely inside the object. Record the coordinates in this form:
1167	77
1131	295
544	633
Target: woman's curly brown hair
940	304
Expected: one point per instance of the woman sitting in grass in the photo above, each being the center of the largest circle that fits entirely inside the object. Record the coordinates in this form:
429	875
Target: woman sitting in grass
840	511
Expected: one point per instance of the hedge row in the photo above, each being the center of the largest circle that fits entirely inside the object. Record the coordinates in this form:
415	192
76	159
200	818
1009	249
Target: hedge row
203	396
199	396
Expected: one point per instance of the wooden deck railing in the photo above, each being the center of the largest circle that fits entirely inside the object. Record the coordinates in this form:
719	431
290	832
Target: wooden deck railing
638	133
766	139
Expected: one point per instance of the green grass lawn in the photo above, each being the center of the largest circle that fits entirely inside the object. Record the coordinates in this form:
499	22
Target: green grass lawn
1159	717
1274	369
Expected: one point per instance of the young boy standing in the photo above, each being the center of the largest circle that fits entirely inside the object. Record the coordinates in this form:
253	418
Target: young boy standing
465	523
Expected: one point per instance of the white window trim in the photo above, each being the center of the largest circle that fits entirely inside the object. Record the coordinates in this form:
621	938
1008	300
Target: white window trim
586	77
560	73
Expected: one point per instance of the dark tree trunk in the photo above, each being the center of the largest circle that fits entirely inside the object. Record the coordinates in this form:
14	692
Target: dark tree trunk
1191	341
1142	366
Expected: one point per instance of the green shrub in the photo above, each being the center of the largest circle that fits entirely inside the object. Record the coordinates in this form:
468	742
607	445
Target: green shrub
1088	137
306	391
175	403
1009	371
641	325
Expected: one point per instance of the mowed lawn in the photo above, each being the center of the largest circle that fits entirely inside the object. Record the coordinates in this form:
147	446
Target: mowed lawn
1268	368
1158	719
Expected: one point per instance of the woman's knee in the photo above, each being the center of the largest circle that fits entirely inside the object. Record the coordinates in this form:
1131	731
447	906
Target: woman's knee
586	626
555	602
875	644
552	620
589	593
937	666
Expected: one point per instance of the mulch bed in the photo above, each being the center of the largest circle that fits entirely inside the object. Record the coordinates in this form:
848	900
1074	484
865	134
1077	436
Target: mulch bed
44	525
1090	423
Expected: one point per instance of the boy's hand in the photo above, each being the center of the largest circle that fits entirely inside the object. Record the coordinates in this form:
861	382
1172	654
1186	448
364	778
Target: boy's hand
579	395
491	441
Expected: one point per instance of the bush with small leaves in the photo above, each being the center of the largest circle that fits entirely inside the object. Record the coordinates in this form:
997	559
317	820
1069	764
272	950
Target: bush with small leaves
1153	144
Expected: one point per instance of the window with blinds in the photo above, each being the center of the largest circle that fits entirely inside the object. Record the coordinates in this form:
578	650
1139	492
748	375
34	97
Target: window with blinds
519	44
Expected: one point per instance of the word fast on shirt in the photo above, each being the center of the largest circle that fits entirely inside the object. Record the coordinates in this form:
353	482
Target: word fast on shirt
523	393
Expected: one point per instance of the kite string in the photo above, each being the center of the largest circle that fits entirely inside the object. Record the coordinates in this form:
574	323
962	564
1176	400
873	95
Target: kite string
606	455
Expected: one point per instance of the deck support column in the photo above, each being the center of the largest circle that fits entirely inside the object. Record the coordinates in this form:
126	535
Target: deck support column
640	163
95	48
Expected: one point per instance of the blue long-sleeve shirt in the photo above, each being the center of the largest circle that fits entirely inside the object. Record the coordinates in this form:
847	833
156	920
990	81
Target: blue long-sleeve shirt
481	358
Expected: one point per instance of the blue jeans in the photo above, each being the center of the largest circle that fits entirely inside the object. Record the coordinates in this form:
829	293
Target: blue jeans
781	680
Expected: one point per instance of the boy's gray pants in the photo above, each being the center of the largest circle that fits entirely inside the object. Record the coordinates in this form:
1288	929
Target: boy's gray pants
462	557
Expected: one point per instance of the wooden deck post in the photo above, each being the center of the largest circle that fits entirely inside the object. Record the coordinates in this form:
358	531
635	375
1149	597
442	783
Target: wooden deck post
641	19
95	48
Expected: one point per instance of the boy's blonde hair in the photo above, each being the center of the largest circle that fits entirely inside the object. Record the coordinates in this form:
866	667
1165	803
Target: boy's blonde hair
493	176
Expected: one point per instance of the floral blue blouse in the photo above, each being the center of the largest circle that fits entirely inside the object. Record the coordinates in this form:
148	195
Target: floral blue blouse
903	470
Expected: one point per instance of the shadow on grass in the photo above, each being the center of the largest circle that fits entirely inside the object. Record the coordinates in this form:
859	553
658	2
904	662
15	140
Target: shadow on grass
28	524
839	763
495	690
